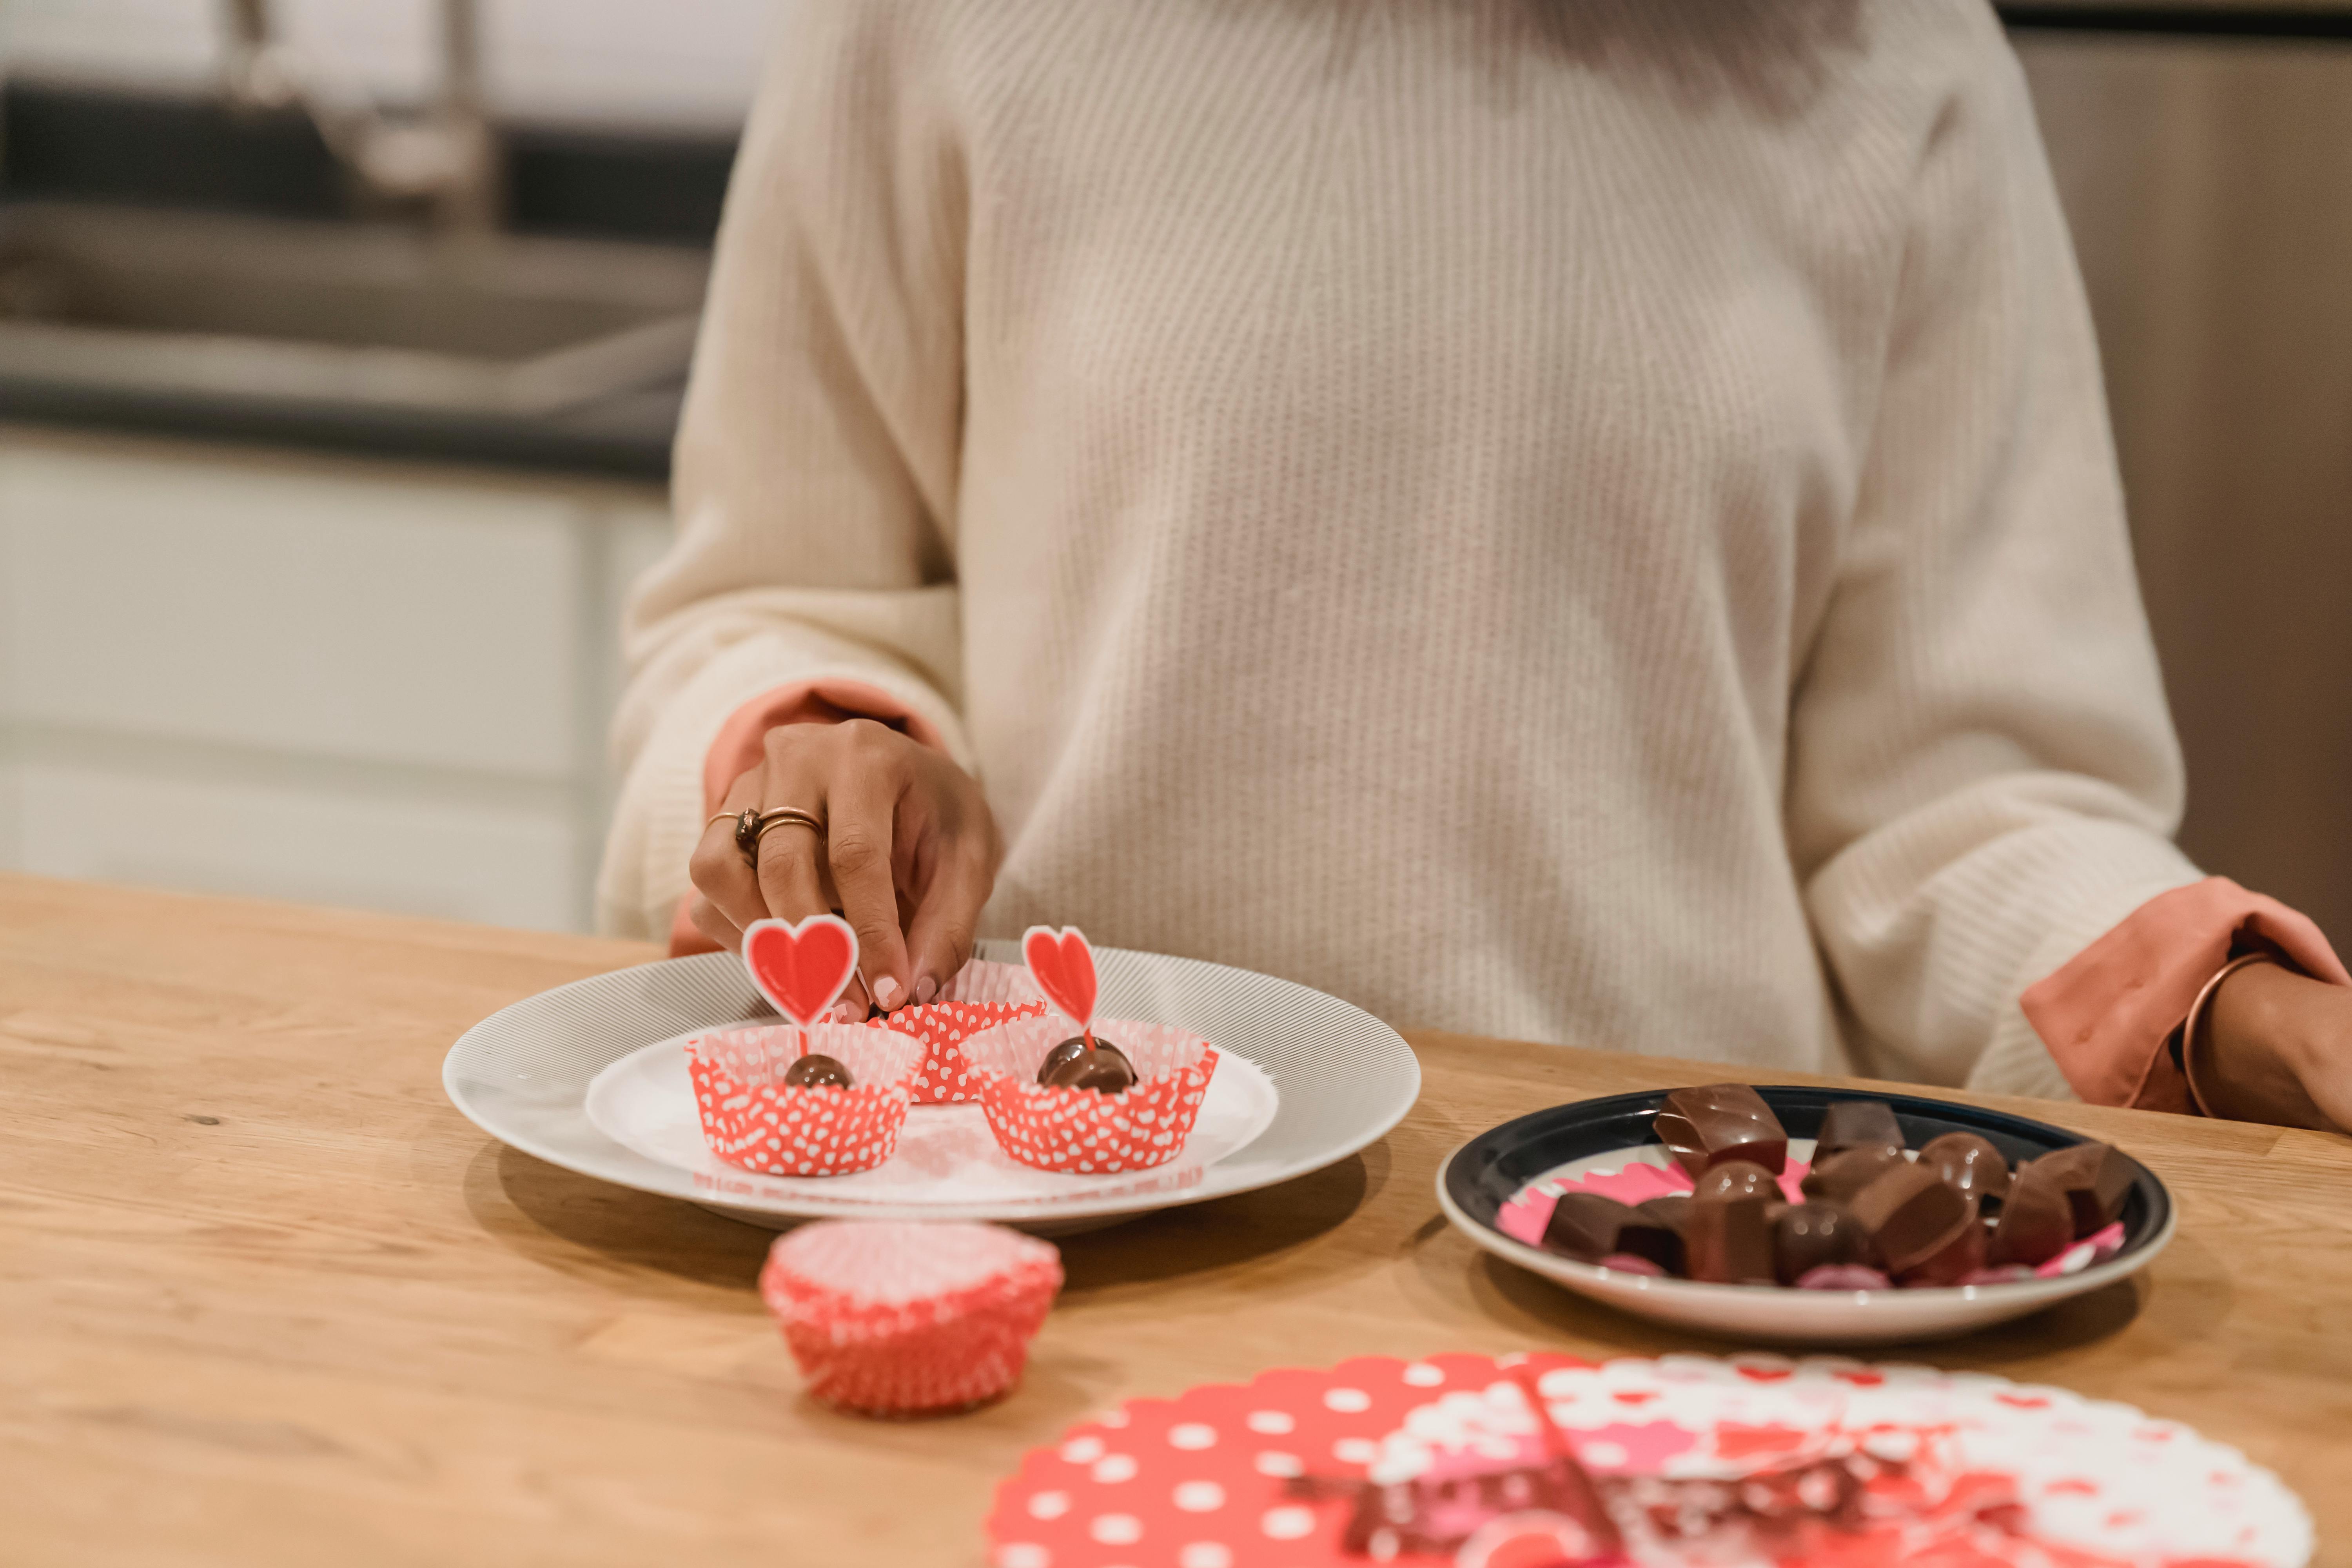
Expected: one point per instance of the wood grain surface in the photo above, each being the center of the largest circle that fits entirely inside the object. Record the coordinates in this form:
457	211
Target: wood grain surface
266	1297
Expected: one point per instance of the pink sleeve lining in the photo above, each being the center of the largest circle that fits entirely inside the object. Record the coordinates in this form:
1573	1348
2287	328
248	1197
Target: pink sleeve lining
2109	1012
742	738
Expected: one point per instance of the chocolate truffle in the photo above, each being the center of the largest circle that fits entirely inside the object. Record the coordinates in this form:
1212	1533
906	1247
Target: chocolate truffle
1858	1124
1963	1255
1591	1228
1104	1069
1736	1179
1070	1050
1729	1241
1807	1237
2036	1221
2095	1180
1842	1177
1968	1162
1910	1215
1706	1127
816	1070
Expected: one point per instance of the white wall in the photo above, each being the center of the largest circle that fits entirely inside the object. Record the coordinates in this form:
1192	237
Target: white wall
685	64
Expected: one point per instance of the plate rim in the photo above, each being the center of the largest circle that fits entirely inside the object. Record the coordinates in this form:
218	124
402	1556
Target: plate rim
1812	1310
1377	1126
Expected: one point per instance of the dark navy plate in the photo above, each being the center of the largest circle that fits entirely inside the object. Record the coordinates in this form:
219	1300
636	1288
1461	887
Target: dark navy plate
1485	1173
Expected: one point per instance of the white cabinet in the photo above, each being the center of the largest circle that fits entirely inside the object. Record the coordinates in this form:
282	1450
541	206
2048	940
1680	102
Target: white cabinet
411	851
335	681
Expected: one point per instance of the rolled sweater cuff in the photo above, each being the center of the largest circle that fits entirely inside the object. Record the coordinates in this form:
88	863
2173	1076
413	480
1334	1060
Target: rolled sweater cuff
740	741
2109	1013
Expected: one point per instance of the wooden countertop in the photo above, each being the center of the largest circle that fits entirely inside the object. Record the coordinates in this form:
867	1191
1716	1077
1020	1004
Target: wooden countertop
266	1297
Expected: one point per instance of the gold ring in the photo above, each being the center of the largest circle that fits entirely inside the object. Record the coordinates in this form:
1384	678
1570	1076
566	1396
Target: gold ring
753	825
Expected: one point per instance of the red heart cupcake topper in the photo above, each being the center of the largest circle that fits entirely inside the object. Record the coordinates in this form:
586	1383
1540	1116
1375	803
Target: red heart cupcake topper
800	969
1063	967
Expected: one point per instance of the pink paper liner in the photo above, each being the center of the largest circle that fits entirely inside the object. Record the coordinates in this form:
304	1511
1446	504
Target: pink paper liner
1079	1131
893	1317
751	1121
980	995
1524	1216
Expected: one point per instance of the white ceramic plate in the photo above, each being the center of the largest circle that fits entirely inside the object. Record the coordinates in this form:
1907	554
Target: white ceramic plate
591	1076
1569	1140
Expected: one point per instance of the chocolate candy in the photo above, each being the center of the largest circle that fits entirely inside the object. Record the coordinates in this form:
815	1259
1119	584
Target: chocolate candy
1070	1050
1858	1124
1660	1241
1736	1179
2036	1224
1706	1127
1843	1177
1968	1162
1729	1241
2095	1178
816	1070
1910	1215
1962	1256
1592	1228
1671	1211
1812	1236
1103	1068
1585	1225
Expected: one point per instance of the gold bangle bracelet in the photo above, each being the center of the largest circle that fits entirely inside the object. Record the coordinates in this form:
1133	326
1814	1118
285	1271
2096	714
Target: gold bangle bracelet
2190	1024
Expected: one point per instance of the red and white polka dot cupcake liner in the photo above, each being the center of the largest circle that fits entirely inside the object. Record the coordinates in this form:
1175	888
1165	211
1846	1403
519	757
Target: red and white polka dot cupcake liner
894	1318
981	995
751	1119
1079	1130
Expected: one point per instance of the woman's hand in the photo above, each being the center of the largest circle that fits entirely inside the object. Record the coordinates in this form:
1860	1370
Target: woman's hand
908	839
2277	1047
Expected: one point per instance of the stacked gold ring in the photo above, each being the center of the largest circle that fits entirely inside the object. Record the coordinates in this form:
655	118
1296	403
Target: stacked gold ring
754	825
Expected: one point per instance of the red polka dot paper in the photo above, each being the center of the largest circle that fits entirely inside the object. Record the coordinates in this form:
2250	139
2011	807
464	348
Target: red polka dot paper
981	995
1752	1459
751	1119
1079	1131
897	1318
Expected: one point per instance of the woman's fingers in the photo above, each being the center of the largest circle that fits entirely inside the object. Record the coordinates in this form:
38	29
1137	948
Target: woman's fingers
938	939
792	883
714	925
718	872
859	813
871	787
788	877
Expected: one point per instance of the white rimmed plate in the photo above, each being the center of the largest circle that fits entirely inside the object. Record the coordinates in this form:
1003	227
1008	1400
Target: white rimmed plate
590	1077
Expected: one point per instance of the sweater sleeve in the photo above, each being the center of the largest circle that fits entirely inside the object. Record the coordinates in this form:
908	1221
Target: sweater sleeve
815	470
1982	777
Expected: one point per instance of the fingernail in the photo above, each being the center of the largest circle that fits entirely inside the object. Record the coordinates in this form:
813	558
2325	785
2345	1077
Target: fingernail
844	1012
886	993
926	988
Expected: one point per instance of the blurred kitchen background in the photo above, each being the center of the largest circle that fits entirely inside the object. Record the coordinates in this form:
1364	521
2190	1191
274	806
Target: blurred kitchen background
341	341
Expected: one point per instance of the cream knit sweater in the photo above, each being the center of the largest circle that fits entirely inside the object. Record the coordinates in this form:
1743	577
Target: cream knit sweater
1591	521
